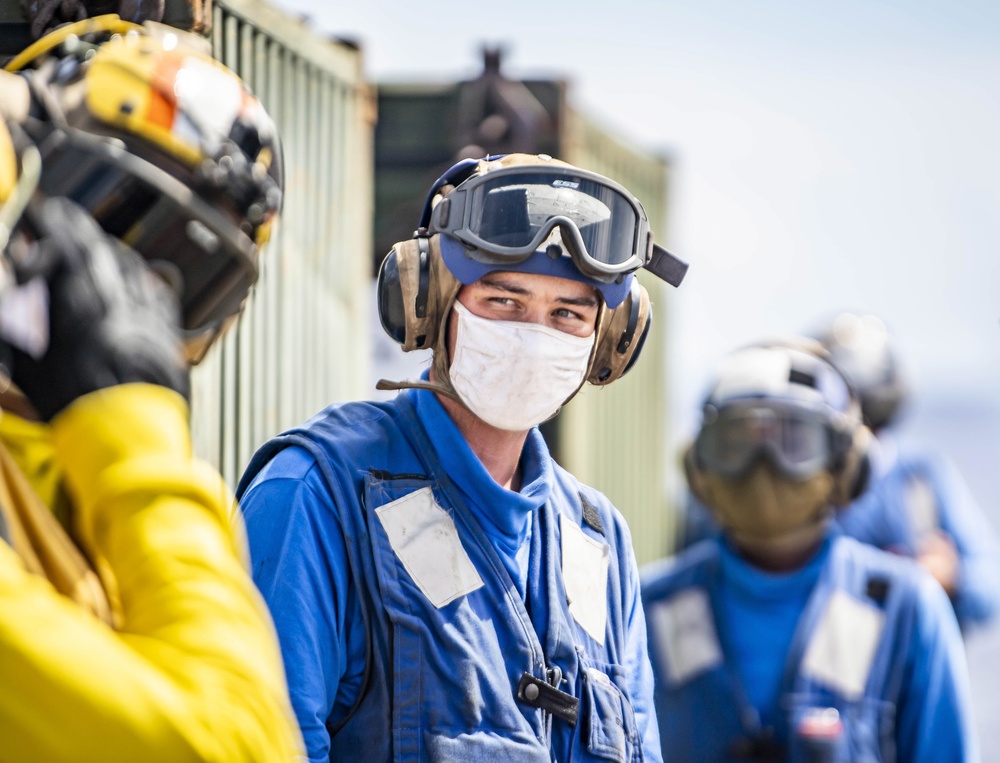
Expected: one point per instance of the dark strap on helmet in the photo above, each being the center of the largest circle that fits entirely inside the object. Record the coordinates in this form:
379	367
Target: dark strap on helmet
666	266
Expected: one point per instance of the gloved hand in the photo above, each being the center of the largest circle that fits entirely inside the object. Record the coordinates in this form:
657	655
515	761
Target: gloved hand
112	320
46	15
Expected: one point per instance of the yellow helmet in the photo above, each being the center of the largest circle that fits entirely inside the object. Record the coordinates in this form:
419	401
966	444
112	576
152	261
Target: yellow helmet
19	173
8	165
165	147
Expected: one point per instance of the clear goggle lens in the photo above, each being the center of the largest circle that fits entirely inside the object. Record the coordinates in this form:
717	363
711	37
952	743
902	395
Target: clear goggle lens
509	214
797	443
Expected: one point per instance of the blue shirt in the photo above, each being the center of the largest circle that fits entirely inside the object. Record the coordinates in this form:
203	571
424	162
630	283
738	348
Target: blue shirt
504	514
760	607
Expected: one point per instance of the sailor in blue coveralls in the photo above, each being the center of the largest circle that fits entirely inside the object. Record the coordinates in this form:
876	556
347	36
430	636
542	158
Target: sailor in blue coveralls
442	589
918	504
782	639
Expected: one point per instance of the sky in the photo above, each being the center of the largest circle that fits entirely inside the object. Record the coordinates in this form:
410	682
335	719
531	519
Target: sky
826	156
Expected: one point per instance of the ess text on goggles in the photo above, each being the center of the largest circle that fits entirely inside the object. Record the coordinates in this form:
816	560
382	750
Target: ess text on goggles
508	214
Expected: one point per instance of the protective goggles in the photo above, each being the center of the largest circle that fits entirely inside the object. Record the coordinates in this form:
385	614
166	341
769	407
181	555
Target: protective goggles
193	244
506	215
798	443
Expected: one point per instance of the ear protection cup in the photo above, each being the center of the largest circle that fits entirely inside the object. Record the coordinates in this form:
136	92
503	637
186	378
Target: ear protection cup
415	291
853	474
693	474
621	334
391	312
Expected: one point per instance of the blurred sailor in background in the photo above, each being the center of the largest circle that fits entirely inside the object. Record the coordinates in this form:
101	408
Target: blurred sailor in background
918	504
781	639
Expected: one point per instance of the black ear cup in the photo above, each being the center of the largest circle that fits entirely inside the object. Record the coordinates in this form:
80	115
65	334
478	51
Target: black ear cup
637	344
853	475
621	335
391	312
404	292
862	478
415	289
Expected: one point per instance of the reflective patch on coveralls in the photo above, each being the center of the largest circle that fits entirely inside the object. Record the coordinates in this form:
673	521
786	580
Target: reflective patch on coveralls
585	575
921	505
687	642
426	541
842	648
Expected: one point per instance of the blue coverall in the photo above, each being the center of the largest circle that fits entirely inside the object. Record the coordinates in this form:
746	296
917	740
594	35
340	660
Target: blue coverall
426	613
916	491
742	657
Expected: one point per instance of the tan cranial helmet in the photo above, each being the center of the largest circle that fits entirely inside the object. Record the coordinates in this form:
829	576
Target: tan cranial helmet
781	441
524	213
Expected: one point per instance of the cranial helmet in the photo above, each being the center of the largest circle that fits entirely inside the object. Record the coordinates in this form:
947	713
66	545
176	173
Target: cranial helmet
860	346
166	148
528	213
784	403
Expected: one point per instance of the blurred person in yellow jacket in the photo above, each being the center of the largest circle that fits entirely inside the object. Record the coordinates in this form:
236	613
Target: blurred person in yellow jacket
138	180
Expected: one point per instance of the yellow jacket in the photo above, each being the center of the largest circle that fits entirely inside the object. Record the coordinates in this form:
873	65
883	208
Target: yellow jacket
191	670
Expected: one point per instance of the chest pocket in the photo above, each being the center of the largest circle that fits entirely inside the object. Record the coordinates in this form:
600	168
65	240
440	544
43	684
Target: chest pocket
839	722
842	731
610	730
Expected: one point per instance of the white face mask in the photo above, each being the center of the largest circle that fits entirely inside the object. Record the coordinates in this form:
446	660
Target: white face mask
514	375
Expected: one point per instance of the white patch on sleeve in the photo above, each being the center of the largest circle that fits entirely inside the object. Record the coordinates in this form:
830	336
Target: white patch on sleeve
426	541
685	635
921	505
24	317
842	648
585	575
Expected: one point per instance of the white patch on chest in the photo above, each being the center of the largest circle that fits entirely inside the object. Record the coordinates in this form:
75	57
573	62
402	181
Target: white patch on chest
426	541
842	648
585	575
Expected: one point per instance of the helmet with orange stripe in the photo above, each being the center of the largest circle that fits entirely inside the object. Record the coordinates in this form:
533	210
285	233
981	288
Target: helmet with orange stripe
166	148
